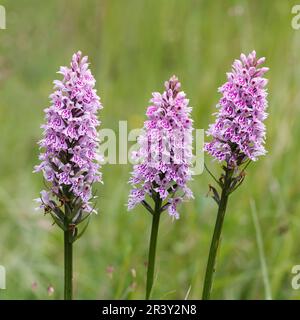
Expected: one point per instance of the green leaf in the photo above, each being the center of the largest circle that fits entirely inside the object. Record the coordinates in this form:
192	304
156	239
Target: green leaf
57	220
147	206
78	235
215	194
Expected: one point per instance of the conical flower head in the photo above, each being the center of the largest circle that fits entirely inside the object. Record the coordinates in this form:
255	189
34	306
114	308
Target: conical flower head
239	132
69	160
165	150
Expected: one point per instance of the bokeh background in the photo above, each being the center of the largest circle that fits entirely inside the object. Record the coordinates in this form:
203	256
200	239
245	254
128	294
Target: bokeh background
134	46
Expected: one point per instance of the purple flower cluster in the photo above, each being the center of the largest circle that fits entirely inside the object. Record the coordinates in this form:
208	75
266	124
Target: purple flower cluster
165	150
238	132
70	162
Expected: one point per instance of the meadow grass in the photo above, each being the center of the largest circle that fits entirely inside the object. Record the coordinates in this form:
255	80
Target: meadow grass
134	46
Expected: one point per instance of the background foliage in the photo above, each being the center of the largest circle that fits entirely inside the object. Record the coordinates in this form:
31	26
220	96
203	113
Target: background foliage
134	46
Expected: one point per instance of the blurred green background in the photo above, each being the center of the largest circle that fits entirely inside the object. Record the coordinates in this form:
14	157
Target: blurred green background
134	46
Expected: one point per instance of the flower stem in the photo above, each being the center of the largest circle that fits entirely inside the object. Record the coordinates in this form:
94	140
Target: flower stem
210	268
68	265
152	246
68	258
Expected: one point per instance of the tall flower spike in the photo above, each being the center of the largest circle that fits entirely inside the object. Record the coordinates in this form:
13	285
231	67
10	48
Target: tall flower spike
69	160
164	158
239	132
165	152
238	137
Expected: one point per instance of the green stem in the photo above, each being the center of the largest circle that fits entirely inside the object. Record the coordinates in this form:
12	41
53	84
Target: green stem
152	247
68	265
210	268
68	257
